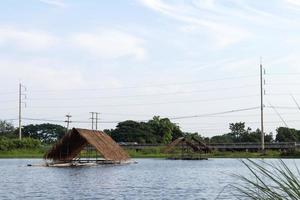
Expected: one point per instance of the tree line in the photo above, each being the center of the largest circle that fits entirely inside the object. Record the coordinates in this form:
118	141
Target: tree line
154	131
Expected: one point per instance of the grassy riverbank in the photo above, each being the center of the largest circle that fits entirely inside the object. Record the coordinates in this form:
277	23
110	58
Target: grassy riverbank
156	152
22	153
217	154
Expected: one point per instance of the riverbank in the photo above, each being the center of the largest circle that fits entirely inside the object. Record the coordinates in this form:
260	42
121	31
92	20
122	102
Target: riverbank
157	153
22	153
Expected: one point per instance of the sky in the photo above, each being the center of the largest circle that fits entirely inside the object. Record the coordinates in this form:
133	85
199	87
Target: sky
194	61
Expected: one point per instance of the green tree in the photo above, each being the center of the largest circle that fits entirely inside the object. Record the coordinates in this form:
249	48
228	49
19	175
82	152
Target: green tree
165	129
285	134
132	131
240	134
156	130
225	138
237	131
6	128
46	133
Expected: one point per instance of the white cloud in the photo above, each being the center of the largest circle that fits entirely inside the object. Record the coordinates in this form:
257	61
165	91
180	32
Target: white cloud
293	2
223	33
26	40
110	44
48	76
57	3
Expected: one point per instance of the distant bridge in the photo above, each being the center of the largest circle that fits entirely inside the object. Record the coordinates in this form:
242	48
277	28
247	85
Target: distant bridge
227	146
253	146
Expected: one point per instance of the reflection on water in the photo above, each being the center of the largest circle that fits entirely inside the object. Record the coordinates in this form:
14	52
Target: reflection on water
149	179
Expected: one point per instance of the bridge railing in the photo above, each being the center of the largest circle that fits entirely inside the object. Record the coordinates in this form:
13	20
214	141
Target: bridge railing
254	146
227	146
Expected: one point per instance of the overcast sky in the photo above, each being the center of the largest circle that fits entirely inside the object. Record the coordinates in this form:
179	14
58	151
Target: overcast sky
132	59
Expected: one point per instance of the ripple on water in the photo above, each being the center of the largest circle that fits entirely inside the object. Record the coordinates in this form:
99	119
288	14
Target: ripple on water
149	179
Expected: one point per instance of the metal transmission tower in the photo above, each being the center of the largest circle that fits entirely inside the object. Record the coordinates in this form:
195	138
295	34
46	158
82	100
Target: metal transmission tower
92	118
68	121
96	118
262	92
22	90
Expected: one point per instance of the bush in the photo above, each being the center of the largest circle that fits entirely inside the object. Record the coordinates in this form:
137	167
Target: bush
7	144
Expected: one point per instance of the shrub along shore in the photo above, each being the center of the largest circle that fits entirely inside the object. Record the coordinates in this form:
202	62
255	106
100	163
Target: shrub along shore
152	152
37	138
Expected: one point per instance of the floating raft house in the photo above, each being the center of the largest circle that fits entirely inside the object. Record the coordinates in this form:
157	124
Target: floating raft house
187	148
99	148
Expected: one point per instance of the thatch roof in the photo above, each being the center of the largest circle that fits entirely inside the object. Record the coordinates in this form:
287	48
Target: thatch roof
192	142
76	139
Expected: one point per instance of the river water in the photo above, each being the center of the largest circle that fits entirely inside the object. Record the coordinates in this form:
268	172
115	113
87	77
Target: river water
149	179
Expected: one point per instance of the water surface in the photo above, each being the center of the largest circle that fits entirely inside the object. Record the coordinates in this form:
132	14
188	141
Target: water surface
149	179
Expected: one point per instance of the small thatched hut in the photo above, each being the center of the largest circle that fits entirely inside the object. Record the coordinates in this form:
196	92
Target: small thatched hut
70	146
187	148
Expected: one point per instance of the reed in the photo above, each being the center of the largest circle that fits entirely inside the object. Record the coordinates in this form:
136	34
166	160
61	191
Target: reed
268	181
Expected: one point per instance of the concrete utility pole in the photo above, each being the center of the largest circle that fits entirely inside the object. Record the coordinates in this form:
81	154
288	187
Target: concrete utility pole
21	87
68	121
262	108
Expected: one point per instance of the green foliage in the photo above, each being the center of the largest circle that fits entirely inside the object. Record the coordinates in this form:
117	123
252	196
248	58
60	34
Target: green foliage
7	144
46	133
225	138
239	133
287	135
270	181
7	129
132	131
163	128
156	130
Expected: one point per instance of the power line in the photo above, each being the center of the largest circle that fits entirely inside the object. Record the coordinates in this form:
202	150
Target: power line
283	83
7	93
62	121
145	95
279	115
282	74
149	104
217	113
8	101
283	107
12	119
295	101
153	85
172	118
117	121
14	108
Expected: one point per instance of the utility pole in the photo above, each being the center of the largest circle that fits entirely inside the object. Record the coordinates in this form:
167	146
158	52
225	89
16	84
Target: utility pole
97	120
21	87
92	118
68	121
262	107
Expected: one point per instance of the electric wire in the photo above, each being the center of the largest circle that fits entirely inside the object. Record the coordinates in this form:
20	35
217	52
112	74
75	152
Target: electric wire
148	104
150	86
144	95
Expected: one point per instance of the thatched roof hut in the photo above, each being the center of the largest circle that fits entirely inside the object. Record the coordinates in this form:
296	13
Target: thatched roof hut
76	139
192	142
185	143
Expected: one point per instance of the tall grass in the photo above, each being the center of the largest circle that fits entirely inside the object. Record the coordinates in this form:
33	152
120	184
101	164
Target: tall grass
268	181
